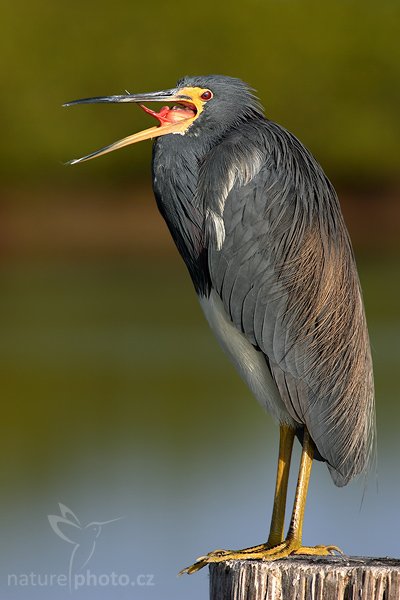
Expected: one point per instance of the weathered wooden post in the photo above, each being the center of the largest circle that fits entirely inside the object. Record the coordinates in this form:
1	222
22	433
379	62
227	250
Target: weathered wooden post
307	578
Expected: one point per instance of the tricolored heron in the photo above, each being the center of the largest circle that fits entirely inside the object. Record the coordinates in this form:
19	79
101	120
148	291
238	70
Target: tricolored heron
260	229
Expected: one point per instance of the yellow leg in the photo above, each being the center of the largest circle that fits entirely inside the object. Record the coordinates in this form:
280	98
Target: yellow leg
292	543
295	532
277	528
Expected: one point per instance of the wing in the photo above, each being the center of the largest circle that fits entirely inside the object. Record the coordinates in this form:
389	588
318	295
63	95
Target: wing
281	260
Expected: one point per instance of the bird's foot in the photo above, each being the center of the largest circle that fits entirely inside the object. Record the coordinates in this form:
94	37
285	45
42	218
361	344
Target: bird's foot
287	548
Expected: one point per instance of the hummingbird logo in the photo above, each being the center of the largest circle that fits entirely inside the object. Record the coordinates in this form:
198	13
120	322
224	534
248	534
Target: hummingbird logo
83	537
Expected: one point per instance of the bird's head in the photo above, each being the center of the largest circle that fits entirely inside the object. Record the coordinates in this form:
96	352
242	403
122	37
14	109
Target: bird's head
200	106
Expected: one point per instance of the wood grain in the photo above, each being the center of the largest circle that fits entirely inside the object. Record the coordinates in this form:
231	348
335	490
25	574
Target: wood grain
307	578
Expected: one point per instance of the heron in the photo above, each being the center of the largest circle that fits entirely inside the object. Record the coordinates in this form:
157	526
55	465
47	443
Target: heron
260	229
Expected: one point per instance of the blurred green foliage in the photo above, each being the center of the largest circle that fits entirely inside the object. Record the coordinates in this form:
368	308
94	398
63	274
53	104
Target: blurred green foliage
329	71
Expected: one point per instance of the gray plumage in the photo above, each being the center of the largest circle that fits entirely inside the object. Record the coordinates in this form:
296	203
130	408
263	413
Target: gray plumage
271	241
291	287
260	229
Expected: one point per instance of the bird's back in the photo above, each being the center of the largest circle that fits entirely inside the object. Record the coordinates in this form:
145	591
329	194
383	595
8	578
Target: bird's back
281	261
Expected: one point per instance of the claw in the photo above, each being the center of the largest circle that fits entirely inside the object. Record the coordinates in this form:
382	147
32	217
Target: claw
262	552
199	564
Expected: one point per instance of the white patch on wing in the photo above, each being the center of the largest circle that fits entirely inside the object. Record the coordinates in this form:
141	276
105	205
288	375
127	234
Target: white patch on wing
229	183
242	171
250	363
248	168
218	228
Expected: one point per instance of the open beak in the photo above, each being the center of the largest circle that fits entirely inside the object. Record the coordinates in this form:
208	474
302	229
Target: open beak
175	119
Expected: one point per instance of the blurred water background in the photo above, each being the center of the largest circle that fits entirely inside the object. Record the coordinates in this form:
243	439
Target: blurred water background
116	400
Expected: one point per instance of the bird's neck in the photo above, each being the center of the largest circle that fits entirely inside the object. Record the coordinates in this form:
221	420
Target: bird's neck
175	175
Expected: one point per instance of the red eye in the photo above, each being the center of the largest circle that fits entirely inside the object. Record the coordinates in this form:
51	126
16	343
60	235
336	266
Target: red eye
207	95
